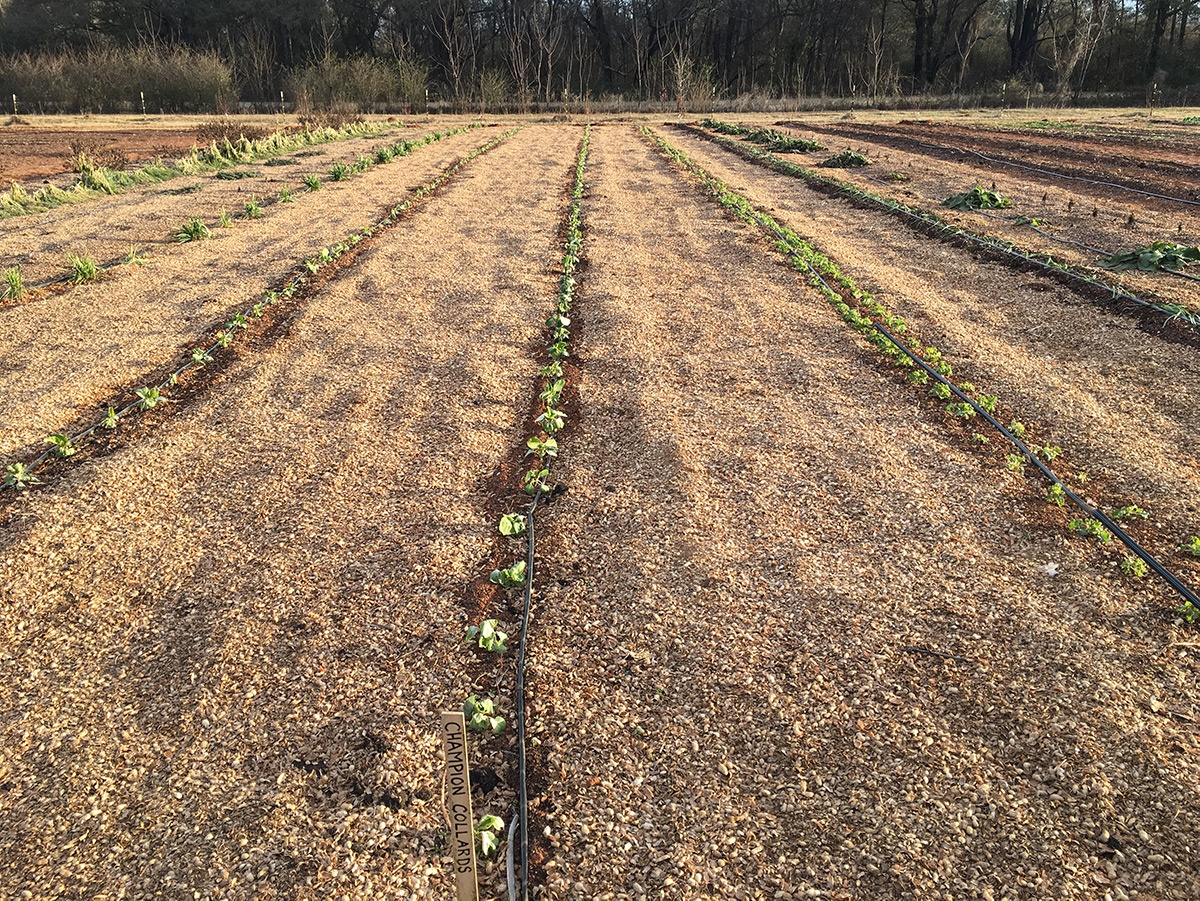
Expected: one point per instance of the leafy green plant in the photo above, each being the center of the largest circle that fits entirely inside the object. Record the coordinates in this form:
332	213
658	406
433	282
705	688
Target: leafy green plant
1091	528
541	448
110	419
512	577
1189	611
362	164
192	230
988	402
1030	221
224	220
253	209
1017	428
488	636
149	398
488	832
1159	255
14	284
312	182
339	172
1192	546
83	269
552	420
285	195
1134	566
133	258
1056	495
384	154
1047	452
978	198
63	446
17	475
847	159
200	356
941	391
535	480
1015	462
512	525
1130	510
481	715
961	410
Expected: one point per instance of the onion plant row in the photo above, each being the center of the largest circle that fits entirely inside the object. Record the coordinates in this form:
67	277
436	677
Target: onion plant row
195	229
926	366
97	181
931	223
62	445
541	450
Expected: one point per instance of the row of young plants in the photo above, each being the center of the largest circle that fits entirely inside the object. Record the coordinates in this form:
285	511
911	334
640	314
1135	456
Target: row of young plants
926	366
96	181
22	475
541	450
81	269
931	223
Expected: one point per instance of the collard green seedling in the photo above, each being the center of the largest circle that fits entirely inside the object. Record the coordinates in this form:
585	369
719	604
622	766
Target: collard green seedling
1159	255
481	715
83	269
552	420
1189	611
1017	428
1056	495
1047	452
1192	546
535	480
961	410
512	525
1015	462
542	448
14	285
149	398
63	446
847	159
200	356
978	198
941	391
110	418
488	636
1129	511
17	475
513	577
488	832
192	230
1092	528
1134	566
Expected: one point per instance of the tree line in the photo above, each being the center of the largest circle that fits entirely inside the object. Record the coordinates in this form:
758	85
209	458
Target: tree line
543	51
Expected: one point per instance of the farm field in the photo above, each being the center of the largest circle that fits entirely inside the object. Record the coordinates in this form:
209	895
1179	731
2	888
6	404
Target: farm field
800	621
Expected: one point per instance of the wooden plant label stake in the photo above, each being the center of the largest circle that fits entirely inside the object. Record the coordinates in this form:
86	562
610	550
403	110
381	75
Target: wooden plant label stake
458	805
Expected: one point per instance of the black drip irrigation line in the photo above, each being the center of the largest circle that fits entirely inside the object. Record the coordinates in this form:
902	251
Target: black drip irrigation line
20	475
1050	172
785	244
949	232
1170	578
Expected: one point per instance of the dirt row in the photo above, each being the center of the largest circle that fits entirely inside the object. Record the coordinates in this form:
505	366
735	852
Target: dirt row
63	355
1099	218
224	647
1131	166
148	217
766	543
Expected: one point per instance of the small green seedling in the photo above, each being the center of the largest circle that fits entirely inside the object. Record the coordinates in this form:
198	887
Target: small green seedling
512	525
110	419
339	172
253	209
961	411
149	398
488	832
63	446
285	195
541	448
1092	528
83	269
14	284
224	220
553	371
481	715
192	230
200	356
312	182
535	480
1189	611
488	636
988	402
941	391
1017	428
513	577
552	420
1129	511
17	475
1135	566
1047	452
553	392
1056	495
1015	462
136	259
1192	546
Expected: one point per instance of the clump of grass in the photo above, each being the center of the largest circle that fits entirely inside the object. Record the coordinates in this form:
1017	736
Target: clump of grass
338	172
192	230
253	209
312	182
847	159
285	195
83	269
14	284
